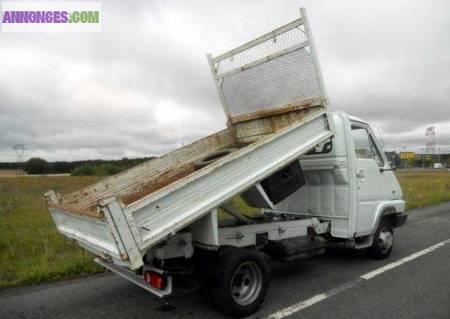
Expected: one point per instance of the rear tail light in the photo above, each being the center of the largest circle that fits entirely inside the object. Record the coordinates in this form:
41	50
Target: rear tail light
155	280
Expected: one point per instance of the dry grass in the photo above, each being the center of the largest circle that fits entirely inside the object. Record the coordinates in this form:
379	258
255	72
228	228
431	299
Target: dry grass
32	251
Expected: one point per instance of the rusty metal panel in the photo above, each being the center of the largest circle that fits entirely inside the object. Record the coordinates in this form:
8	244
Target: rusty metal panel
147	177
250	131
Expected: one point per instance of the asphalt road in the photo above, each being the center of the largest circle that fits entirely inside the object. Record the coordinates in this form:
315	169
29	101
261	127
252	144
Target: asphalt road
327	286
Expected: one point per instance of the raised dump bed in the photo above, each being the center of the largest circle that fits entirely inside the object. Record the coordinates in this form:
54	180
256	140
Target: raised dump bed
156	174
275	102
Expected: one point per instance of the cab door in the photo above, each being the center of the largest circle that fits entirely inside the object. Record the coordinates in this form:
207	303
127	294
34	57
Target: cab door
373	186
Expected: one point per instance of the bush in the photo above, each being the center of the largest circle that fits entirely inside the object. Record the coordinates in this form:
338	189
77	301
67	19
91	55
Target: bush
85	170
107	169
98	170
36	165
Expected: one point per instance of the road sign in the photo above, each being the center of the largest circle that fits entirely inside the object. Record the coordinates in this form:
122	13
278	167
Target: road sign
407	155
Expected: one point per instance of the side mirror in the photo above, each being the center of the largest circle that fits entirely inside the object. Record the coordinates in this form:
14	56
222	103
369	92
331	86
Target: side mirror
392	168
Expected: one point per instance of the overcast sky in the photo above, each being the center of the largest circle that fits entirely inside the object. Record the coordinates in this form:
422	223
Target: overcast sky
143	86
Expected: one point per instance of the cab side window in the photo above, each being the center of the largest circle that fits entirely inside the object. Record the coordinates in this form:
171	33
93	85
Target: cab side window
365	146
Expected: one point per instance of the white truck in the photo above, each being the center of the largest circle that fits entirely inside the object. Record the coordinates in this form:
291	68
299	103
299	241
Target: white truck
317	178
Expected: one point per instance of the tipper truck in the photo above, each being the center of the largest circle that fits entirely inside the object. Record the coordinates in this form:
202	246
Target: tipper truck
317	179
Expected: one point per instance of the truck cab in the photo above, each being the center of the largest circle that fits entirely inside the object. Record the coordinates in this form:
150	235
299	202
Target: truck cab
349	182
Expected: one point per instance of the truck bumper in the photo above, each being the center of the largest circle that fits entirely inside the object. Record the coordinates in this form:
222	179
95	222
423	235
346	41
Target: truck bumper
400	219
138	280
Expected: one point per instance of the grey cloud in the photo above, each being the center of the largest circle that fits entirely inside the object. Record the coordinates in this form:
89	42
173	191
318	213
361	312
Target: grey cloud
72	96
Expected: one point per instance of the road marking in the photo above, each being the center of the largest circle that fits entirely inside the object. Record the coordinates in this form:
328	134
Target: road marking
311	301
397	263
285	312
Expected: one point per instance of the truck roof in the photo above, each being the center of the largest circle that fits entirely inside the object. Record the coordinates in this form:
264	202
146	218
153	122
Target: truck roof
356	119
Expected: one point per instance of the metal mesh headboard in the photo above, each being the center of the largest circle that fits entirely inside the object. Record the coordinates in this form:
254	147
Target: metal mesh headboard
277	69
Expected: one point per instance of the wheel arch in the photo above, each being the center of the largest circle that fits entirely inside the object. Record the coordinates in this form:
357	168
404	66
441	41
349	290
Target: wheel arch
387	211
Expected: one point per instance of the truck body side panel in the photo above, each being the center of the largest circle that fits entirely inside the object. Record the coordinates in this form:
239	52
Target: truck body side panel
328	189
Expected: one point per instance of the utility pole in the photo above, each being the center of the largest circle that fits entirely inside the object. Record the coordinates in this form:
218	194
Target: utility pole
423	158
404	152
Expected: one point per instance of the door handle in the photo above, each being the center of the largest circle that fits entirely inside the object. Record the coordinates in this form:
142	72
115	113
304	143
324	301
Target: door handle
361	174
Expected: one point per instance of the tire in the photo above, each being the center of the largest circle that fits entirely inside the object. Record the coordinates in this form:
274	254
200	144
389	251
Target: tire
383	241
241	282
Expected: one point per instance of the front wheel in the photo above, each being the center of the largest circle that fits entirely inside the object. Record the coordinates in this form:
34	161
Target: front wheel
383	241
242	282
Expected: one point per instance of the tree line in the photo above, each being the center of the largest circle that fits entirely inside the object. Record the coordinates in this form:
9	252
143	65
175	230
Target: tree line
37	165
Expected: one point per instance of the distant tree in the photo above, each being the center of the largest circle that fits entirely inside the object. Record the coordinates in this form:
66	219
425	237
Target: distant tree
60	167
36	165
98	170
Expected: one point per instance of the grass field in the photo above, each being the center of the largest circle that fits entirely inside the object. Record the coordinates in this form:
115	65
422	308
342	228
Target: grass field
424	188
32	251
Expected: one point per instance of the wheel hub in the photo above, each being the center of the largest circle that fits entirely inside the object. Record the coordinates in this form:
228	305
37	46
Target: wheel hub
386	239
246	283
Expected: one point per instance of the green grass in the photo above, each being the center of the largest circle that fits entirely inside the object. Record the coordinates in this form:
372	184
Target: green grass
32	251
424	188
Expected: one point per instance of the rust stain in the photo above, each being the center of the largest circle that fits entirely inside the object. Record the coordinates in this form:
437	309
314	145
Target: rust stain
253	130
151	171
276	111
90	212
162	181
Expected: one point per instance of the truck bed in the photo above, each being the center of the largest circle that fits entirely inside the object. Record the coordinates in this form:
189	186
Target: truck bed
149	177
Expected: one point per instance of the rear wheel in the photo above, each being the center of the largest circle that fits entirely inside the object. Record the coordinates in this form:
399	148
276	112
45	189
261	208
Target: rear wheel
241	283
383	241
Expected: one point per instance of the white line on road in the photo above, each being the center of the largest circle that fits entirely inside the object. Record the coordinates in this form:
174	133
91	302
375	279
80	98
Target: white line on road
297	307
390	266
311	301
320	297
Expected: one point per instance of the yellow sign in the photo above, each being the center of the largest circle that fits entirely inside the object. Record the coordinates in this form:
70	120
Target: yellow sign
407	155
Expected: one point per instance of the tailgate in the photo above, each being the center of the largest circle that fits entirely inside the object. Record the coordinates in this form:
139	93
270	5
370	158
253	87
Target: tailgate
100	236
275	73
